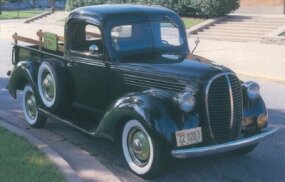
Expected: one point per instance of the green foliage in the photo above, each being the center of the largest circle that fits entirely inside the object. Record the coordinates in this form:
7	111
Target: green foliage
201	8
190	22
22	14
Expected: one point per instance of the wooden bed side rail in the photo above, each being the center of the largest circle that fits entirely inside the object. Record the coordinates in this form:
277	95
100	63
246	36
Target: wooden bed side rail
39	42
17	38
40	33
96	35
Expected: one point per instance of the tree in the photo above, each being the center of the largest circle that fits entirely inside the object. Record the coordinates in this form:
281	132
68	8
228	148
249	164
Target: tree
0	7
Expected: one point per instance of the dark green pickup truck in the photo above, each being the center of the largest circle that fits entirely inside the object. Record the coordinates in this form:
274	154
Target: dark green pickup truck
125	73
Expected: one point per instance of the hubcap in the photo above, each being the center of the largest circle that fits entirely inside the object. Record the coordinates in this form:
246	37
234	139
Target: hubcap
139	146
31	106
48	86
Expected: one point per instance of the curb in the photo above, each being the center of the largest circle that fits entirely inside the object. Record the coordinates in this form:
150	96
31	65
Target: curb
63	166
38	17
271	78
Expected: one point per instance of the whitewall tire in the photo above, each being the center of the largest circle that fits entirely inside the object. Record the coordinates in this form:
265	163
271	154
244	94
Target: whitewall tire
140	150
47	84
52	86
30	108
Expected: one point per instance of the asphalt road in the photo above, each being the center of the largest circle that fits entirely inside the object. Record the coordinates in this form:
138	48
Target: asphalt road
266	163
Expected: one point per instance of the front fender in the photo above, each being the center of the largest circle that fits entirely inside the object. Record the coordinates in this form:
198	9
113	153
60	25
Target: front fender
151	111
254	108
25	72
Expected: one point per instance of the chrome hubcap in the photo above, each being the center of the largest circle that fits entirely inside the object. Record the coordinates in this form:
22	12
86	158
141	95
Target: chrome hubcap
139	146
48	87
31	106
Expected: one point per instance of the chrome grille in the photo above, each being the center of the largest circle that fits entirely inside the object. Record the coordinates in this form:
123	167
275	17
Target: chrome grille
224	107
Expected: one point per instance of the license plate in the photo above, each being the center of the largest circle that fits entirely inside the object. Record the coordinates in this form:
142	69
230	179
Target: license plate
189	136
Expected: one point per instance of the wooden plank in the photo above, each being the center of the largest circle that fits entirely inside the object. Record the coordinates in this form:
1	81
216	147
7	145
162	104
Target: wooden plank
93	34
28	40
60	48
41	34
60	38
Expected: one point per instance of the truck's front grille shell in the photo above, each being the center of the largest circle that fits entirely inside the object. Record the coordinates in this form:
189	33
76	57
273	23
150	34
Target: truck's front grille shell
224	107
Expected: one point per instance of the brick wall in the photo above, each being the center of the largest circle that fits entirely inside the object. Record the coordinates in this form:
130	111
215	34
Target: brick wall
261	2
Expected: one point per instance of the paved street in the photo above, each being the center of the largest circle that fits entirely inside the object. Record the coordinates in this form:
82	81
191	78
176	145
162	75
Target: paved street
266	163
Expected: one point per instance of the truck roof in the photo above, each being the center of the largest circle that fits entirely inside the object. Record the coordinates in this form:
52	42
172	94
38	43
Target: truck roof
124	11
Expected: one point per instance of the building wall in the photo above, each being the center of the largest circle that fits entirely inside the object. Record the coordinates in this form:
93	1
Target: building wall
261	2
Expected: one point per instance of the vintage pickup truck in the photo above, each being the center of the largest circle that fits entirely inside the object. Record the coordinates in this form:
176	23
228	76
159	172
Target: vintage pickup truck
125	73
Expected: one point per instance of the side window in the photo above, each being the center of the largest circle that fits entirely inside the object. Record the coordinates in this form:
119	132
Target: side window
92	33
170	34
121	34
122	31
87	39
131	37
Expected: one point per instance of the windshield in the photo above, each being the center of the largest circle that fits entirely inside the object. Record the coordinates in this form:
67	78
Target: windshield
146	35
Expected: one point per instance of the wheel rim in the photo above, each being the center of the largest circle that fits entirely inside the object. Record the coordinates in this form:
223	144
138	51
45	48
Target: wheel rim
31	106
48	86
139	147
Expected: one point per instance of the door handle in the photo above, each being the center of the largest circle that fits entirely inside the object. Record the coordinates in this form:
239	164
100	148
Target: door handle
70	64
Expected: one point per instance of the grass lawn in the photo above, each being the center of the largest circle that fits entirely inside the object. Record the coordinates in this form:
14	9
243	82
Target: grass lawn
21	162
189	22
22	14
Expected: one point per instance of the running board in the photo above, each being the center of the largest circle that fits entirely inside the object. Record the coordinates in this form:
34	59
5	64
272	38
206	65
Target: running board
54	117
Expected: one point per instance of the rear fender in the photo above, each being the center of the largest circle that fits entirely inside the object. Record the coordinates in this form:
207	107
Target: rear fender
25	72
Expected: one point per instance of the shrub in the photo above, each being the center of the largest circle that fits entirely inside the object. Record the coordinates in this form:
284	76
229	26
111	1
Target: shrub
200	8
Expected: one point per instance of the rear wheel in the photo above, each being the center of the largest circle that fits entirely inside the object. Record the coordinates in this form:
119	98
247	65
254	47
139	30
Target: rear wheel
141	152
30	109
51	86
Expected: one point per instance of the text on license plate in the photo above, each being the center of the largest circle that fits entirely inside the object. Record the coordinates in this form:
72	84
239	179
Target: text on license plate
189	136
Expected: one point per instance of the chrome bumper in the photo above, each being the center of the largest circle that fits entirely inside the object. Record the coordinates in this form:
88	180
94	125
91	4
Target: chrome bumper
219	148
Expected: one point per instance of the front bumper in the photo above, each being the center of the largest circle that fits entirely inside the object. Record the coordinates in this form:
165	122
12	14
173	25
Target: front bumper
219	148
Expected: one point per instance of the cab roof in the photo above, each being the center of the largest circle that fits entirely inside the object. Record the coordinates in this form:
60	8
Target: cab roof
116	12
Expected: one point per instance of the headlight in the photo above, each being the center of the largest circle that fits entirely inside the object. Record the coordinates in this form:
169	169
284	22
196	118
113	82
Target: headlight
253	90
186	101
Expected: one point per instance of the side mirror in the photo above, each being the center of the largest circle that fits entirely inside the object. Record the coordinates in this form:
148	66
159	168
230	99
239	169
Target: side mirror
93	49
197	41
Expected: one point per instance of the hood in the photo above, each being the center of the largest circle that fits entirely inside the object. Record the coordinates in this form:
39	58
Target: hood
178	66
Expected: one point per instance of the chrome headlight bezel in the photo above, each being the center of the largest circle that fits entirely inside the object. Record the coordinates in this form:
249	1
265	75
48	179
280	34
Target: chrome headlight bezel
252	90
186	101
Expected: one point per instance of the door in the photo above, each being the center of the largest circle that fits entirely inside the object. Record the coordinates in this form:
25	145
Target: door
88	69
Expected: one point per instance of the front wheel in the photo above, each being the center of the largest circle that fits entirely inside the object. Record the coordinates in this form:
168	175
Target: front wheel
30	109
141	152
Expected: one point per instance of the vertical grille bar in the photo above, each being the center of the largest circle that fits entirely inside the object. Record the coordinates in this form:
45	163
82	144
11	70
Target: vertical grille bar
223	101
231	101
